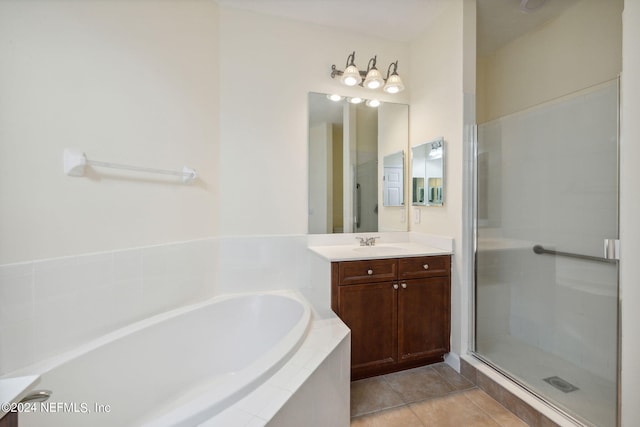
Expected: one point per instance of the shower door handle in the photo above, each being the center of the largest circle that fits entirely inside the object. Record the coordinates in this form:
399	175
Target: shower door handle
612	249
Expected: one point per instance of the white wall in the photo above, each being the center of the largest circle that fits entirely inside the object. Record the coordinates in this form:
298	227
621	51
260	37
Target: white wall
128	82
436	109
629	214
536	67
268	66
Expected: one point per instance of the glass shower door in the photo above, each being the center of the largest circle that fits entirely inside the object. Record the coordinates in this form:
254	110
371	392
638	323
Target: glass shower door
546	299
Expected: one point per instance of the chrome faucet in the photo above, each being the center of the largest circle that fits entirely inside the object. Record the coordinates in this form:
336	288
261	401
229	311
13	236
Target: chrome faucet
367	241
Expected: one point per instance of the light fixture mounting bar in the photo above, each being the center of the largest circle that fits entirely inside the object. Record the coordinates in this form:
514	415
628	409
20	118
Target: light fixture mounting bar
338	73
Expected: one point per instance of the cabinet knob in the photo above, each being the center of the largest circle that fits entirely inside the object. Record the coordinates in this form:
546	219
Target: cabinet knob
404	286
369	272
395	286
426	266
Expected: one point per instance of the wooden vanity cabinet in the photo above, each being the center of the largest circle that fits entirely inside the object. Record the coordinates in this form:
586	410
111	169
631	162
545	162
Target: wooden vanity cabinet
398	311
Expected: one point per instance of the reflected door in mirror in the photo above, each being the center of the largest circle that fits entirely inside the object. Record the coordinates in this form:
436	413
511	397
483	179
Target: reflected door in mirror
393	179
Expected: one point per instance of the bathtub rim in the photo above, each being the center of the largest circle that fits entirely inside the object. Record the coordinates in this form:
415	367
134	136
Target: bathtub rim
42	367
191	412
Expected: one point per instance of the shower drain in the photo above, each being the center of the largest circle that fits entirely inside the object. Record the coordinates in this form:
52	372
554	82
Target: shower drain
560	384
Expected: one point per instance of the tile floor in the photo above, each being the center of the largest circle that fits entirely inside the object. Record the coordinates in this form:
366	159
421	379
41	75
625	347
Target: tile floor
434	395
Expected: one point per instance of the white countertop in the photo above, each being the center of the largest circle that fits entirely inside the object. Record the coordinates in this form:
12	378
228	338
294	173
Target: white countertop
380	250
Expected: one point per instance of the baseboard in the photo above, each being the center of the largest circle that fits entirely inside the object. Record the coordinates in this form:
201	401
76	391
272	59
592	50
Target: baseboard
453	360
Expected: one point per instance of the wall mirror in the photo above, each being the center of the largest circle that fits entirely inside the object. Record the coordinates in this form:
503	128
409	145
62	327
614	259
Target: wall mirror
393	179
427	173
349	147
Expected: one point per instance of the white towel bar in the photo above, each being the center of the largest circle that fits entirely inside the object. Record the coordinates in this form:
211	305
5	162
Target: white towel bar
75	162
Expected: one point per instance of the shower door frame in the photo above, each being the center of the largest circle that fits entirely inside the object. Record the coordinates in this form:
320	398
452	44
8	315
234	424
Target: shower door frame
472	181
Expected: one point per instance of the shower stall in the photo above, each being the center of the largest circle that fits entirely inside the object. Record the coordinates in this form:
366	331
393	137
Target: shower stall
546	290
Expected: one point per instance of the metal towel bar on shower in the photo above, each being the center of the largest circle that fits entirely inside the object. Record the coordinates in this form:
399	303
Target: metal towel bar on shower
539	249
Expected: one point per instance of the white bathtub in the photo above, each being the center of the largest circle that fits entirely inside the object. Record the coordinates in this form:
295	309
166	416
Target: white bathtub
175	369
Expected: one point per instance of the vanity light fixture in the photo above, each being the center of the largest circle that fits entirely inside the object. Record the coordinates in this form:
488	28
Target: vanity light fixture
355	100
335	98
372	78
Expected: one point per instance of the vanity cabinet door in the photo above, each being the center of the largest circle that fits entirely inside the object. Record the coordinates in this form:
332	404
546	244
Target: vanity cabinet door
423	318
370	311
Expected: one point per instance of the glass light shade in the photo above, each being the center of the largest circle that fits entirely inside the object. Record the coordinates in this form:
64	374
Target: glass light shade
373	103
334	97
394	84
351	76
355	100
374	79
435	153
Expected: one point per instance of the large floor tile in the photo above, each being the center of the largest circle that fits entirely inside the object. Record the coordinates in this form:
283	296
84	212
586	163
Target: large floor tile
395	417
452	377
372	394
418	384
494	409
453	410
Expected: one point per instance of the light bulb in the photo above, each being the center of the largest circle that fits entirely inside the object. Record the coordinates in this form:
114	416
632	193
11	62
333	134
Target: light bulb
355	100
350	81
373	103
351	76
394	84
374	79
334	97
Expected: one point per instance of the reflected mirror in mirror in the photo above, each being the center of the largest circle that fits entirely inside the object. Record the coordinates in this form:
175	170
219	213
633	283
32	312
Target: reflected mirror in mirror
393	179
427	173
348	147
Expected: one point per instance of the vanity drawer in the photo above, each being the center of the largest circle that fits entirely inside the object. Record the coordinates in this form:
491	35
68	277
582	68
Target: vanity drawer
367	271
427	266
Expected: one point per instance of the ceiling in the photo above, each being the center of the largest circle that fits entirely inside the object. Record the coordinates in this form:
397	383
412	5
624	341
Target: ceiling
499	21
398	20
